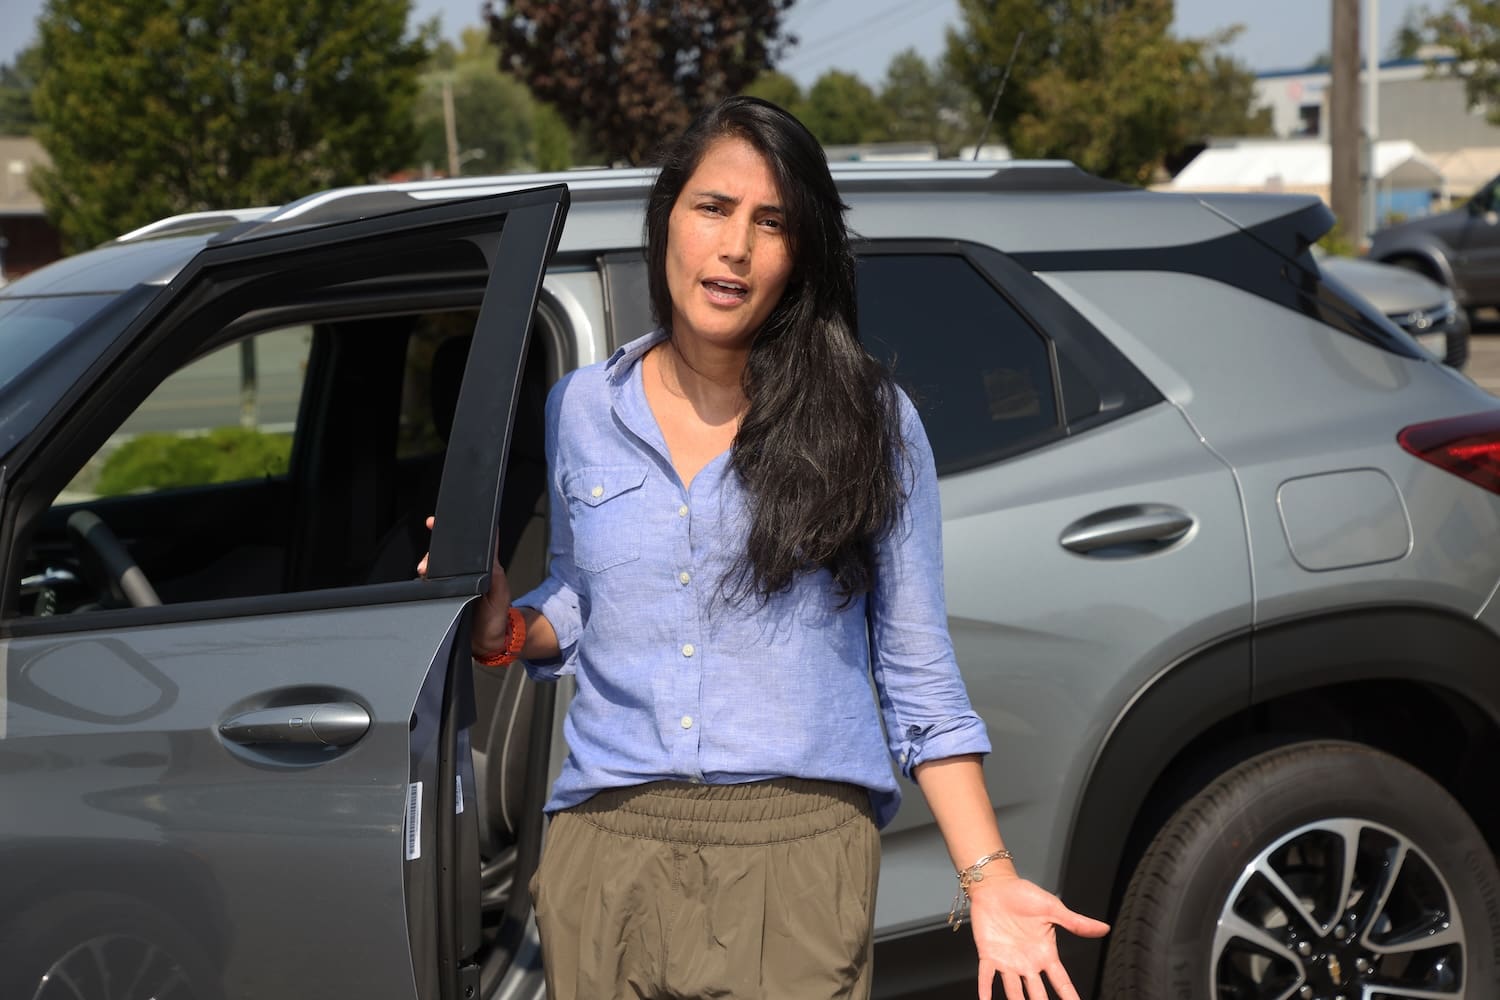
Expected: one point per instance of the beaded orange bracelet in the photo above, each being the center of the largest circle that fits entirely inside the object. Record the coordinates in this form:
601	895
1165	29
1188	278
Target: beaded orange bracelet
515	641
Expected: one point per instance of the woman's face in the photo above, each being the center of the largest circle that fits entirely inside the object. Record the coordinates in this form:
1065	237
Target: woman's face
727	254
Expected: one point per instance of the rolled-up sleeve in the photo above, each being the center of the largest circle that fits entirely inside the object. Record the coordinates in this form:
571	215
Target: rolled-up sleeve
927	711
557	597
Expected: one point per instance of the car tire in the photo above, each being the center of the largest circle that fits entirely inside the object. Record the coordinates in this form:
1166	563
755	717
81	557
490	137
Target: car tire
101	946
1458	341
1203	917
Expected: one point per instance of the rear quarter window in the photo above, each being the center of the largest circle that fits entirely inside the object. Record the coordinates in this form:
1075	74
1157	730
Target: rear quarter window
980	374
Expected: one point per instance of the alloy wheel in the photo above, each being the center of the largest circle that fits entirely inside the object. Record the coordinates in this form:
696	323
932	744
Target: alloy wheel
114	967
1341	909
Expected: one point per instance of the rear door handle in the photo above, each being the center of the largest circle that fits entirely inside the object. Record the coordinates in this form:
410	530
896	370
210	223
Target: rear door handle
333	724
1141	527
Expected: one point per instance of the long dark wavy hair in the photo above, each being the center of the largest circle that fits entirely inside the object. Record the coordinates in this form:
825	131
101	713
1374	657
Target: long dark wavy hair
817	449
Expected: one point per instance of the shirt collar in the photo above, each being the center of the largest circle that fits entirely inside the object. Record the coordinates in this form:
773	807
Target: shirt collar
623	361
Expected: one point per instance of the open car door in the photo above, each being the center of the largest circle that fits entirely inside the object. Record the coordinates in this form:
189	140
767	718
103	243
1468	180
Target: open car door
263	795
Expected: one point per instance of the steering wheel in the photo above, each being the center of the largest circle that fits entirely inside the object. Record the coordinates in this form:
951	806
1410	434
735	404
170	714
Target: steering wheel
106	564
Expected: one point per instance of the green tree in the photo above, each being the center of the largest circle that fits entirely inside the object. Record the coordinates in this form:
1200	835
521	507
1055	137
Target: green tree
499	126
1105	85
1410	37
153	107
630	73
17	83
1471	28
1225	103
928	104
841	109
779	89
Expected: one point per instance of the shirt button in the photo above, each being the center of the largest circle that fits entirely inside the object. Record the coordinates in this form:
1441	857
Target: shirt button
687	722
596	492
684	578
688	650
682	511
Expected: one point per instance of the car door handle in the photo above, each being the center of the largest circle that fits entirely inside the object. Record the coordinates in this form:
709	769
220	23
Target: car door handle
1142	527
335	724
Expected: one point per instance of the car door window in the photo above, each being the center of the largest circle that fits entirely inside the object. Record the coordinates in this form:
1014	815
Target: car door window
169	471
227	417
980	374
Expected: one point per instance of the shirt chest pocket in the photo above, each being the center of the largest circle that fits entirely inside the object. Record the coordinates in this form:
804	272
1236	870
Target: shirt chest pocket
607	510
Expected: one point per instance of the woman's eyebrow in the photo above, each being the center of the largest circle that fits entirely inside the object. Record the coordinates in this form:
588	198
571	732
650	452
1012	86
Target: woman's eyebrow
732	201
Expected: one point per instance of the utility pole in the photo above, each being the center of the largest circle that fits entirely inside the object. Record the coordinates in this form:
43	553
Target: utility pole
1372	115
1343	114
450	128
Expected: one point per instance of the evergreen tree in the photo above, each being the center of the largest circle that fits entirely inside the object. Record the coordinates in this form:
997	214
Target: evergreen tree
17	83
153	107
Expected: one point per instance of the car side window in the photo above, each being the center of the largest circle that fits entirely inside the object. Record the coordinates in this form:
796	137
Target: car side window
226	417
302	458
980	374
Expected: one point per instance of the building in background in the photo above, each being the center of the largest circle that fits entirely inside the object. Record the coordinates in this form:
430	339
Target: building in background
1408	180
1420	102
27	239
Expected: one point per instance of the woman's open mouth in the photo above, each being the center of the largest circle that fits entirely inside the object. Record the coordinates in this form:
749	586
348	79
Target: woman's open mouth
724	292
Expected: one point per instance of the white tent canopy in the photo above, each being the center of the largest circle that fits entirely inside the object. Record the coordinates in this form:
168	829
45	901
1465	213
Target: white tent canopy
1275	164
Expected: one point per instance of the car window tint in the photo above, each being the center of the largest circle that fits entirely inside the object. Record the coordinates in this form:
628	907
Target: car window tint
226	417
29	328
980	374
435	355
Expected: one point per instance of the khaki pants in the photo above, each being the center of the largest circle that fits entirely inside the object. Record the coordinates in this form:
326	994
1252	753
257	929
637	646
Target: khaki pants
673	890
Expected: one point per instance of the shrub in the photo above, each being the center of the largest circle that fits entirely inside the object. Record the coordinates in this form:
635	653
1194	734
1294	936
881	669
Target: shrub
158	461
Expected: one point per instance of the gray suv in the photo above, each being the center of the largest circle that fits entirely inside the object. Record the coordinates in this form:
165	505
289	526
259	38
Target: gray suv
1220	562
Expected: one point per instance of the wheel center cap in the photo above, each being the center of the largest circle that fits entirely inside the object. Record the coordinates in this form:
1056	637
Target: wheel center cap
1335	970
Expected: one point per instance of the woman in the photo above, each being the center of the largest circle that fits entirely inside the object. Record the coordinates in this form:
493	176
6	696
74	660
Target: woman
745	529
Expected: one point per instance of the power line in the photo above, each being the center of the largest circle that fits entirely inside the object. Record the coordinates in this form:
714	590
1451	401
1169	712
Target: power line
829	43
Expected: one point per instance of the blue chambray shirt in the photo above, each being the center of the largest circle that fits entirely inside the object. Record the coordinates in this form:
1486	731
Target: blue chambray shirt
676	682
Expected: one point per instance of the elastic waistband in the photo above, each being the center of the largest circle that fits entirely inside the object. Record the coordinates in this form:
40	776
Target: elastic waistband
744	815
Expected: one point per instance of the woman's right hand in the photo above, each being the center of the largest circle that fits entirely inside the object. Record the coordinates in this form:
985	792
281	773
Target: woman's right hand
490	626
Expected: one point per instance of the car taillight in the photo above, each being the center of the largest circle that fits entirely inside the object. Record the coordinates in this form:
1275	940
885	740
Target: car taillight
1465	446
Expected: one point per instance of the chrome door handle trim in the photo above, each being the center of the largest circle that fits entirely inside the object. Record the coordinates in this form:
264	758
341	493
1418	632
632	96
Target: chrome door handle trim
1132	524
336	724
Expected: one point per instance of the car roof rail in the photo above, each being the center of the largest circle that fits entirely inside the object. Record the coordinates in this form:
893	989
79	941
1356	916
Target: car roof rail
194	222
605	183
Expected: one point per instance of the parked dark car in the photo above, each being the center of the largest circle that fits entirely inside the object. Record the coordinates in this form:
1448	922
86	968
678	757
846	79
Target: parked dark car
1458	248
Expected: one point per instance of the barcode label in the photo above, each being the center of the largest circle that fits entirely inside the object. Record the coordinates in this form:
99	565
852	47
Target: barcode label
458	794
413	821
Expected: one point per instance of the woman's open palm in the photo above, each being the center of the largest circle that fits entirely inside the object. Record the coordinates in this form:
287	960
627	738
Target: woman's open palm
1015	930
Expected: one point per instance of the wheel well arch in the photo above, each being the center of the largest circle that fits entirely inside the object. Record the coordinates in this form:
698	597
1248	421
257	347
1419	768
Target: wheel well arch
1426	262
1416	683
175	884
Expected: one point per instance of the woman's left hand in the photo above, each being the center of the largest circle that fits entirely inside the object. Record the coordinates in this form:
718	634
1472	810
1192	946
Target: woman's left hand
1015	929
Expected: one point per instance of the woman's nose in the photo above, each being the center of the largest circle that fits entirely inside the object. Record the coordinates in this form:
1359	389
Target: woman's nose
735	242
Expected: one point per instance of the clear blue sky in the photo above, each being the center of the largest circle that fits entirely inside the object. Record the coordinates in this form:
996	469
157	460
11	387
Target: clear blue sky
860	36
